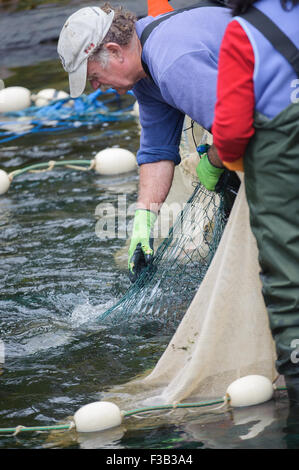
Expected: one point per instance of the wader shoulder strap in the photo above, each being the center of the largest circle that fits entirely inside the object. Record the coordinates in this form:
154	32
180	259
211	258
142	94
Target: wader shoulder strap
149	28
277	38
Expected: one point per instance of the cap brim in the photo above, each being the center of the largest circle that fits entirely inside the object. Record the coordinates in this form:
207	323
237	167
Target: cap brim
77	80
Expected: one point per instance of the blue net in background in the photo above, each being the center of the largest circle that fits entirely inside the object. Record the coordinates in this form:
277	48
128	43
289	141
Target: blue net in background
67	113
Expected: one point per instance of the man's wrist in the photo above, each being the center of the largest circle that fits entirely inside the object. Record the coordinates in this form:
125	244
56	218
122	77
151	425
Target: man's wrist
152	207
213	157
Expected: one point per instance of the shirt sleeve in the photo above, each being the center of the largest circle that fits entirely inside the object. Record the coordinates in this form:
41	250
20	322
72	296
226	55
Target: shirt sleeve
161	125
234	112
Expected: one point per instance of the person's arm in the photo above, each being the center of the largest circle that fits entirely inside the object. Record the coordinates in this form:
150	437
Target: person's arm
234	111
155	181
157	156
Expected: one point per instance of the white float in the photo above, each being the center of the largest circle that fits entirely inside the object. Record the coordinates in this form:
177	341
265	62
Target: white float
249	390
97	416
114	161
4	182
46	96
14	98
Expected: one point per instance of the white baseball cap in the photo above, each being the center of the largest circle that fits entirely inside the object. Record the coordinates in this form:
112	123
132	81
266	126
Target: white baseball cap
81	33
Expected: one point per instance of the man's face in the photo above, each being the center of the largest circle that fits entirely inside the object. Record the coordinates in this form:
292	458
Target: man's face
116	74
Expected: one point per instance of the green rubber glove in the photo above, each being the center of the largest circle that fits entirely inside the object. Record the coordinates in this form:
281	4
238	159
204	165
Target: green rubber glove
141	247
207	173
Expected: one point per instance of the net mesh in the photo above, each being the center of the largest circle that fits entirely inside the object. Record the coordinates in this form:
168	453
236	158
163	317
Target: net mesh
197	217
165	289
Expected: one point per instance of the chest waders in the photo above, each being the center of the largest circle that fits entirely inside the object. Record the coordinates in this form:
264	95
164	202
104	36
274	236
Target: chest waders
271	175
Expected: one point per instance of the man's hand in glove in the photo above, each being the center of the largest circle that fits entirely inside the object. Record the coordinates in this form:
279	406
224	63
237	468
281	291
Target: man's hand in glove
141	247
209	168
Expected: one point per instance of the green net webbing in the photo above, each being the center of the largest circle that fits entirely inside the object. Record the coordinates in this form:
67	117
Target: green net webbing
164	290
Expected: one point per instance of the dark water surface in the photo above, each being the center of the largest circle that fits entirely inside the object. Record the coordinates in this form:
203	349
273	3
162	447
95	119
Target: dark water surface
57	276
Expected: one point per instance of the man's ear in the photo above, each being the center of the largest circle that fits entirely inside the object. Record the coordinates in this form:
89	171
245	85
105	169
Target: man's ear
115	51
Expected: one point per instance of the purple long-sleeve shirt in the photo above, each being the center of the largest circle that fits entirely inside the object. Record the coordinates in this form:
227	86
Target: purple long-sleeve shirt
182	55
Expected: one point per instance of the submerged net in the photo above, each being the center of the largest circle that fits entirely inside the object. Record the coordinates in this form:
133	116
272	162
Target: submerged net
165	289
65	114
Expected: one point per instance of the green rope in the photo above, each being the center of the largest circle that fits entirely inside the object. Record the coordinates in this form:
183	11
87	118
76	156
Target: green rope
126	414
49	165
18	429
173	407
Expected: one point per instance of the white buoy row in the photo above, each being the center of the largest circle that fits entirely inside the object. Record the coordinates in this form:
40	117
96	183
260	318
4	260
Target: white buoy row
45	97
17	98
246	391
110	161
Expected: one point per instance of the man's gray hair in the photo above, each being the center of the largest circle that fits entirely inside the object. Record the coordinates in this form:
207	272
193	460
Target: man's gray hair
121	32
